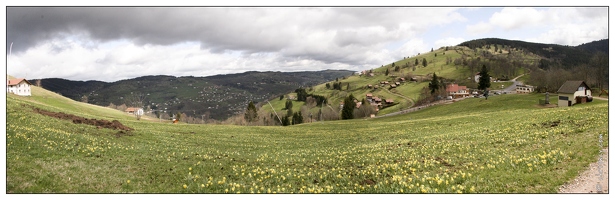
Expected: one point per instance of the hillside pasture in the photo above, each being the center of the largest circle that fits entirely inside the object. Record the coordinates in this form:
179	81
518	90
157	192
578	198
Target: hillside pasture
502	145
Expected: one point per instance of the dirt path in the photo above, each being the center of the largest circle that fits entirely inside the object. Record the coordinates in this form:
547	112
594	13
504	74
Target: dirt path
402	96
593	180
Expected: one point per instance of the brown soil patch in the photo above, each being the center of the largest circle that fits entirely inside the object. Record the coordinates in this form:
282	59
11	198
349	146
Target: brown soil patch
443	162
99	123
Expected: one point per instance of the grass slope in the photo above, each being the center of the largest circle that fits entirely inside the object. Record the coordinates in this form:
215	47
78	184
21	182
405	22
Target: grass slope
502	145
436	63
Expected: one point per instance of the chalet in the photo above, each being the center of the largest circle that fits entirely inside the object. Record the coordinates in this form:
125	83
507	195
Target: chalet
524	89
573	92
369	97
402	79
369	86
457	91
397	83
389	101
19	87
377	100
393	86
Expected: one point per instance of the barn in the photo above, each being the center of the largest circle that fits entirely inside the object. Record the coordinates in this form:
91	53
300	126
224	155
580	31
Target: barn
573	92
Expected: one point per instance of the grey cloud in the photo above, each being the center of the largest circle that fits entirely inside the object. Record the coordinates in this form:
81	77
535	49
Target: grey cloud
322	34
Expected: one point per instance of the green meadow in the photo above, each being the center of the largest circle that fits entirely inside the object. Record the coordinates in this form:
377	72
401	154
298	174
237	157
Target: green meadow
506	144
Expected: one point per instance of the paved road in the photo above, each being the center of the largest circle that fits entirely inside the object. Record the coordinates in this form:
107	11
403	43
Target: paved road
513	88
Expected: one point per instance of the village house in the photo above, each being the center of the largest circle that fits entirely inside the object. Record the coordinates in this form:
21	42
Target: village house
393	86
573	92
524	89
369	97
376	101
389	101
19	87
457	91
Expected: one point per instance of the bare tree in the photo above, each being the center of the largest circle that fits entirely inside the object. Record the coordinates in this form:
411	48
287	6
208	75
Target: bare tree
136	100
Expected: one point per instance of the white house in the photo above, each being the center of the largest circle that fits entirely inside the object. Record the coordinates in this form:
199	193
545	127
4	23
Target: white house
19	87
573	92
525	89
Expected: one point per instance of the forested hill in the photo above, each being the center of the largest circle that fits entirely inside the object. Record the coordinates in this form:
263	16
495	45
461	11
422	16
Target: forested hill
217	97
553	54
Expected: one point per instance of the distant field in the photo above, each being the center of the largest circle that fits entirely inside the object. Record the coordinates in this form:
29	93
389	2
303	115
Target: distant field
506	144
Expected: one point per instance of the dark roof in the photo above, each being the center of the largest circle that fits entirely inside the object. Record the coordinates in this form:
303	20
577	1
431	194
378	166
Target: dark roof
569	87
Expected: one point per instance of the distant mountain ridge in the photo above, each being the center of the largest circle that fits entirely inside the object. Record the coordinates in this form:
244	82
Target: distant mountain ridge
566	56
219	96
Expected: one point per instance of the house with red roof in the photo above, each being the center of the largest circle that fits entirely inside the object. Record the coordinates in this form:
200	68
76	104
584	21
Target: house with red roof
19	86
457	91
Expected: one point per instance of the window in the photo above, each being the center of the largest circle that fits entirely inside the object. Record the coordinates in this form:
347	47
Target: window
582	88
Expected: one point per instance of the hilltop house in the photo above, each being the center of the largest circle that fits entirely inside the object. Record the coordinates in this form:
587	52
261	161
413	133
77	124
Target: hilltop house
19	87
457	91
573	92
521	89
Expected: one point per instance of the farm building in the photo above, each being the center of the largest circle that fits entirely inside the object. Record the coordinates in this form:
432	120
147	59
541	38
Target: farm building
573	92
457	91
521	89
19	87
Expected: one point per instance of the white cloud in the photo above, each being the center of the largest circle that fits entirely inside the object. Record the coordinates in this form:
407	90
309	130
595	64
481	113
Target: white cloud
515	18
559	25
448	42
480	28
412	48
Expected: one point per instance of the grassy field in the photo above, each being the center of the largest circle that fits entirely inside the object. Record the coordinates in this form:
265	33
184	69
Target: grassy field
506	144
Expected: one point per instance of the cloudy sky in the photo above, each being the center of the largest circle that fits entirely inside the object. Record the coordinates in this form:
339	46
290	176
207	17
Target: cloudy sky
114	43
